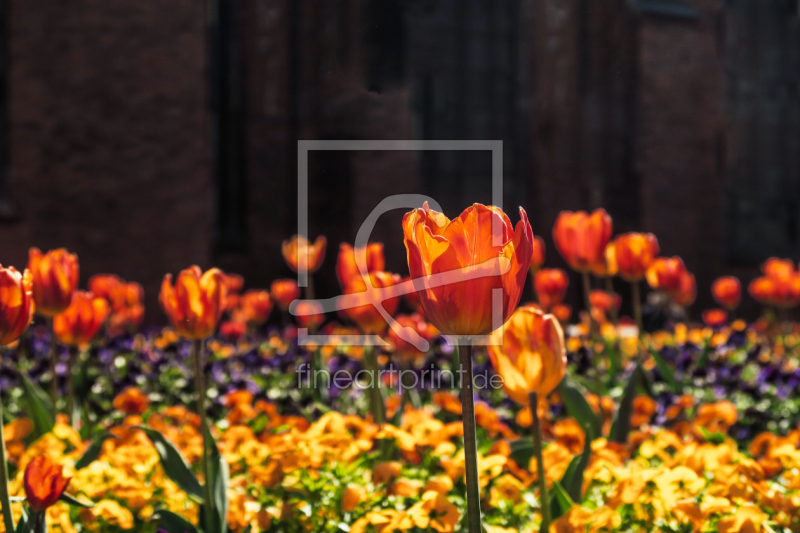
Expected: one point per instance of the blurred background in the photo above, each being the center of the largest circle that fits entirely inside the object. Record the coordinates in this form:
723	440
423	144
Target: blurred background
150	135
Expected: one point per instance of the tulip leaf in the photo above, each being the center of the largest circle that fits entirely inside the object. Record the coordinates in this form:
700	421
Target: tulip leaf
579	409
218	481
173	523
92	452
622	423
666	372
72	500
25	525
522	452
572	480
174	464
560	502
39	409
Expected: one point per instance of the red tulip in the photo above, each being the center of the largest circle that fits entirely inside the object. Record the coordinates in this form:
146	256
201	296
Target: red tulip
44	483
80	322
715	317
687	291
255	307
346	267
284	292
665	273
16	304
727	291
635	252
581	238
457	264
54	276
551	286
194	305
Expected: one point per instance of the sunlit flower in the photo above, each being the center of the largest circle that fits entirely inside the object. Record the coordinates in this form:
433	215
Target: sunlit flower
80	322
434	511
529	353
131	401
581	238
299	250
367	316
635	253
16	304
255	307
194	304
665	274
44	483
352	496
54	277
453	250
607	267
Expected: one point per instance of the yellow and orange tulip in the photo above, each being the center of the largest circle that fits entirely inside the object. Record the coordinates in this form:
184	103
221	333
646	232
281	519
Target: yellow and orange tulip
81	321
581	238
54	276
727	291
346	267
297	250
194	305
441	253
665	274
16	304
551	286
366	316
635	252
255	307
529	353
687	290
608	266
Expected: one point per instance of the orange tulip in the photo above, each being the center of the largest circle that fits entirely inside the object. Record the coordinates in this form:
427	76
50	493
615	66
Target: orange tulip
82	319
366	316
687	291
608	266
131	401
284	292
298	249
233	283
762	289
255	307
309	314
529	354
16	304
346	267
664	274
781	283
44	483
551	286
603	301
581	238
127	311
727	291
412	299
635	252
537	259
775	268
194	304
714	317
55	277
562	312
403	350
441	253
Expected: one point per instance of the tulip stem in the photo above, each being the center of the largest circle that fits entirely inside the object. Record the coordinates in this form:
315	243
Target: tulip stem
197	349
53	364
636	298
536	430
587	289
310	287
5	498
470	439
375	399
73	352
614	310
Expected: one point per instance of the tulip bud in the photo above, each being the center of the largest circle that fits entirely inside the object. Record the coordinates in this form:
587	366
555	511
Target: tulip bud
54	278
297	250
347	267
16	304
727	291
79	323
581	238
194	304
551	286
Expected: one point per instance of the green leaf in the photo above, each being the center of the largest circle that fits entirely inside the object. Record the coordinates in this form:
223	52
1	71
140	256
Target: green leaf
522	452
25	524
92	451
666	372
72	500
572	480
560	502
622	422
173	523
38	407
218	481
175	465
579	409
